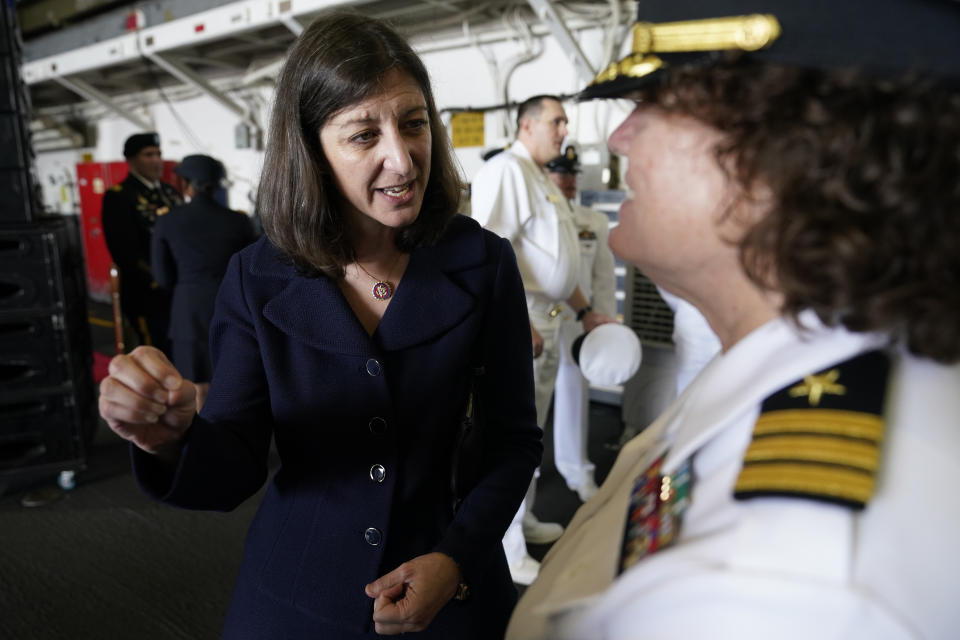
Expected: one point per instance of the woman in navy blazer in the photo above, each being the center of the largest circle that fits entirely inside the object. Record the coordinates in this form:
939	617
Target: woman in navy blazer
347	335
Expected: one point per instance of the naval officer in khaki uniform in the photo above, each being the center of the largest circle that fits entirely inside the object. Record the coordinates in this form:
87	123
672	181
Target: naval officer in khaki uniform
512	196
792	169
571	402
130	209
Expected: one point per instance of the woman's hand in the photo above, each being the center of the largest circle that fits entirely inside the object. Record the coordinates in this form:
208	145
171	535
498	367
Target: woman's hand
410	596
146	401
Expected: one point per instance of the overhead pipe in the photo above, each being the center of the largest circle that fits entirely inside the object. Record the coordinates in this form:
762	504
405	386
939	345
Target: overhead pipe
548	14
292	24
84	90
502	106
188	76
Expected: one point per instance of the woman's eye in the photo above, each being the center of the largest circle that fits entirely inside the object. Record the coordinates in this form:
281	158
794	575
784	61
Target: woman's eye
419	123
363	136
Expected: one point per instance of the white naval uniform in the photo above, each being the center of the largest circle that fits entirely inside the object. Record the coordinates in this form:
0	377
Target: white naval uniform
695	343
784	568
570	401
513	197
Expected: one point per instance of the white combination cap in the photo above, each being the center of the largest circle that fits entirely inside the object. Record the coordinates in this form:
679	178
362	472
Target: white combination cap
608	355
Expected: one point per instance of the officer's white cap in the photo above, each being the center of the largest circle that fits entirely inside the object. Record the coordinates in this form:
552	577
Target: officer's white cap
608	355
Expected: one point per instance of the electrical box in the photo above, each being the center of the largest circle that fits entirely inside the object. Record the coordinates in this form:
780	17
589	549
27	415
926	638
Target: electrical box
247	137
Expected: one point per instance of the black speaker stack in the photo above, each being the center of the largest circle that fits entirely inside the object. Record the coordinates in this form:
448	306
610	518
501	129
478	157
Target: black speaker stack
47	397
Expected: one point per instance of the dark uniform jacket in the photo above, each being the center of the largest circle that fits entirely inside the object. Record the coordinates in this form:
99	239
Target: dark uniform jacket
130	210
191	247
291	360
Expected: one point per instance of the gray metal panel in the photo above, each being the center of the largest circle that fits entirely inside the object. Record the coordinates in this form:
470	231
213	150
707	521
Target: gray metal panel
111	24
646	312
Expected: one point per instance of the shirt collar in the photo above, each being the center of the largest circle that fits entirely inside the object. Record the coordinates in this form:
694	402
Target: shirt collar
149	184
767	359
519	149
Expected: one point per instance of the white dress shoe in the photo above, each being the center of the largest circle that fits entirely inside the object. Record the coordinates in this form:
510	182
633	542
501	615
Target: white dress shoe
536	532
525	571
586	489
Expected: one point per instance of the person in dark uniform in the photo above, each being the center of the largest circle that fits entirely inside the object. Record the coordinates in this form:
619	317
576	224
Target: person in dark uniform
129	212
190	250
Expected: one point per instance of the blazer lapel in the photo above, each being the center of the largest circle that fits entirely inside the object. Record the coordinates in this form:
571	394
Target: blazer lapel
314	311
429	302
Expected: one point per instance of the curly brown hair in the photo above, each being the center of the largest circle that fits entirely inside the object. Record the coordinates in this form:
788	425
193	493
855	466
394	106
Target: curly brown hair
865	174
339	60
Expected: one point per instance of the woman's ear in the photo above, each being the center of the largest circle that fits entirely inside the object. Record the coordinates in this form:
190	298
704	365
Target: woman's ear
762	197
184	187
756	204
749	206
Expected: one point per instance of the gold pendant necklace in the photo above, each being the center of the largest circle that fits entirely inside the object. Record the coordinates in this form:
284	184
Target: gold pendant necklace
383	288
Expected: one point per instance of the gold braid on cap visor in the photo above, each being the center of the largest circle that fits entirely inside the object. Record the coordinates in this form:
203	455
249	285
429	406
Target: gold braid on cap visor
746	33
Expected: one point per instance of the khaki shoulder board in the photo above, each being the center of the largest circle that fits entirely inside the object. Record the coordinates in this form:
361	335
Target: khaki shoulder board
819	438
116	187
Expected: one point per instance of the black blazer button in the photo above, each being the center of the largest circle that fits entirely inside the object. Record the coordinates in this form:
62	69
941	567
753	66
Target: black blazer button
377	425
373	367
372	537
378	473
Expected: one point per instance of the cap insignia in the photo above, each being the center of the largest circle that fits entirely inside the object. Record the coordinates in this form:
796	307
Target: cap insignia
745	33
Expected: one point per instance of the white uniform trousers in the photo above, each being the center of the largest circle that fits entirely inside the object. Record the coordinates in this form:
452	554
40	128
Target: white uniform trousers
544	380
571	408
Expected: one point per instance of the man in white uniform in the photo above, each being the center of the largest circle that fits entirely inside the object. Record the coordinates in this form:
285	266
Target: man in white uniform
571	404
694	342
792	173
513	197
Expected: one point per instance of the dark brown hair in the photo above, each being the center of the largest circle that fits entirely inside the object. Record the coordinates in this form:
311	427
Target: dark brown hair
533	106
865	172
340	60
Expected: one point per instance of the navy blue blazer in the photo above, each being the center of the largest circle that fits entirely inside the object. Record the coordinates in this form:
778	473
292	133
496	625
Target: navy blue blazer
292	361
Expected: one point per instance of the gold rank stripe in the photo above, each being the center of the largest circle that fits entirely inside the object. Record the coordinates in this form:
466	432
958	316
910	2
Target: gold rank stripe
847	424
806	479
816	449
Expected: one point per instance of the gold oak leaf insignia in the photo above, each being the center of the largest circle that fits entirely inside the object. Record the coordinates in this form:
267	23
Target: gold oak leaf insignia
815	385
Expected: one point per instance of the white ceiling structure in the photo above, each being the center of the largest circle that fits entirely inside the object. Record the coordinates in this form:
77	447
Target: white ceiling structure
221	50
